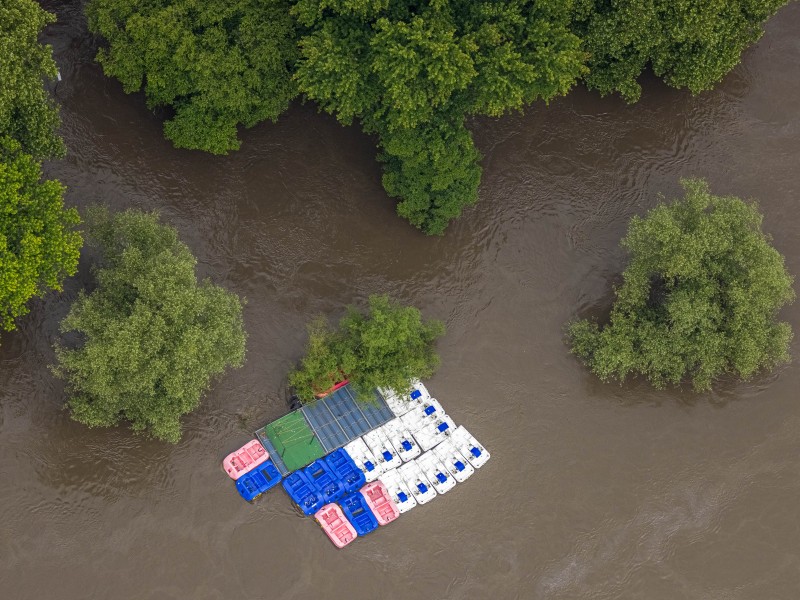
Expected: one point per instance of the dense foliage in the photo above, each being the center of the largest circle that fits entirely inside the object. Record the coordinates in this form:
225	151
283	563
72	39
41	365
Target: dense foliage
151	336
38	243
386	347
27	114
699	298
410	72
217	63
433	170
689	43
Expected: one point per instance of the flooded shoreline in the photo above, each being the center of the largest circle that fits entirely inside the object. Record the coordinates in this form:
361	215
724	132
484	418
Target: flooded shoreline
594	491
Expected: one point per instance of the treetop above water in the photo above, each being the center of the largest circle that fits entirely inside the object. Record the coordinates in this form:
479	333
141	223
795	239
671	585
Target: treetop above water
699	298
410	72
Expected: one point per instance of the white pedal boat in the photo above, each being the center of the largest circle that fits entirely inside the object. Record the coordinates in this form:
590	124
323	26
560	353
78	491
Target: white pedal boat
431	409
436	472
416	419
413	419
474	452
364	459
382	449
396	405
417	482
419	393
401	439
434	432
456	463
398	490
422	415
401	404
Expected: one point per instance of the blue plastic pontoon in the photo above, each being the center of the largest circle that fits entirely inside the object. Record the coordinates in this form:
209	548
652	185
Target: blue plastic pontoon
320	474
259	480
351	477
303	492
358	513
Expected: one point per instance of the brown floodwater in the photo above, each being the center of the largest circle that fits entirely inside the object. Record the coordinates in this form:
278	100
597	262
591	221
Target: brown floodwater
593	491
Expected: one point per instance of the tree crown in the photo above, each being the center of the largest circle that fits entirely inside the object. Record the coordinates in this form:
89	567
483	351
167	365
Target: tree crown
689	43
699	297
152	336
39	246
217	63
409	71
27	113
387	347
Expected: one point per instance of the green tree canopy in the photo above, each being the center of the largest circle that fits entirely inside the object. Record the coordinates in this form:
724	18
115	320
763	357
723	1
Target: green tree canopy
689	43
412	71
27	113
151	336
699	297
217	63
387	347
38	242
433	170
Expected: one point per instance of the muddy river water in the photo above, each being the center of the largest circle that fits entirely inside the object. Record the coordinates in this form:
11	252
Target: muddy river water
594	490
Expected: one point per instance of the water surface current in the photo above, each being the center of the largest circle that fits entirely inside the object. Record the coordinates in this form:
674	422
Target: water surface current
594	490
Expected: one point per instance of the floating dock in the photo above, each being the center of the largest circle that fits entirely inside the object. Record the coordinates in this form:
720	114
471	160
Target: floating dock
358	465
308	433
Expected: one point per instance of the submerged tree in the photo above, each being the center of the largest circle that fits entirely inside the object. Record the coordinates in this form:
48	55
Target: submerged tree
387	347
39	246
151	336
689	43
413	71
410	72
699	299
433	170
217	63
27	113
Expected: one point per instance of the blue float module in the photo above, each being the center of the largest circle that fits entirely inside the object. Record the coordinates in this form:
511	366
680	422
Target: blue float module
324	481
351	477
324	478
355	508
259	480
303	492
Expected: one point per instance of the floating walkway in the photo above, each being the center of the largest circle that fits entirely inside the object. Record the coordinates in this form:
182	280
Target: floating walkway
319	428
358	466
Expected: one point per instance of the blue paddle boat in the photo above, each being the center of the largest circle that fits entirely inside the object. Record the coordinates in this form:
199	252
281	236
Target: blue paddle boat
303	492
351	477
254	483
358	512
320	474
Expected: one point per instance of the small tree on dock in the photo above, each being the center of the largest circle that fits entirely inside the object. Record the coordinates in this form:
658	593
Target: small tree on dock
699	298
386	347
152	337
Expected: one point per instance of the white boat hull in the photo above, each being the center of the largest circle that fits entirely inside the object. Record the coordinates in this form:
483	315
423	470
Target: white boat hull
399	490
401	440
458	465
417	482
364	458
474	452
382	450
436	472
